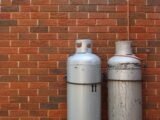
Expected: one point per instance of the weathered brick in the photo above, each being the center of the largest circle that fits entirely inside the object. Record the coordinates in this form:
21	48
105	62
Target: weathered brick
57	71
20	2
106	8
18	113
9	78
48	50
87	8
153	2
40	113
27	36
67	8
3	113
47	36
59	1
98	2
8	22
4	57
57	99
10	9
18	99
117	2
122	22
155	43
137	15
49	8
40	2
39	29
48	106
78	2
59	29
76	15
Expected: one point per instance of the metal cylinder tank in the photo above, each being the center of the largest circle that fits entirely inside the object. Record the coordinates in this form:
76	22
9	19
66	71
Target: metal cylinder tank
124	84
83	83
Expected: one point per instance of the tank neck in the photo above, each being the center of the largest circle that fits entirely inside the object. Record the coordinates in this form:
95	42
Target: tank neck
124	48
83	46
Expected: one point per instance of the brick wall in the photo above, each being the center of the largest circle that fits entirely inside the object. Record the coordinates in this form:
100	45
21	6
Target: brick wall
36	37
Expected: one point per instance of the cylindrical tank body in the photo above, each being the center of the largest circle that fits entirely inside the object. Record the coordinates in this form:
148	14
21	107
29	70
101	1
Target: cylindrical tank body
83	83
124	84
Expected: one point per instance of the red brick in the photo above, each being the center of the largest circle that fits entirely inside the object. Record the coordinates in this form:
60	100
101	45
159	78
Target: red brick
86	22
39	85
8	36
40	15
22	85
18	99
19	29
27	22
59	15
5	15
138	2
144	36
28	92
47	64
20	15
19	113
29	106
78	29
38	71
27	36
144	22
6	2
8	92
18	71
4	85
7	50
28	50
4	99
4	43
16	57
33	8
20	43
13	106
58	113
37	99
58	43
4	64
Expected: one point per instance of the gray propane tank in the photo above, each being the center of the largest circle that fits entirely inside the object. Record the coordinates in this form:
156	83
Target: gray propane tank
83	83
124	84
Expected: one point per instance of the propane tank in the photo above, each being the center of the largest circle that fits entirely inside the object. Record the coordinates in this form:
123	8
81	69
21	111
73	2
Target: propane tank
124	84
83	83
